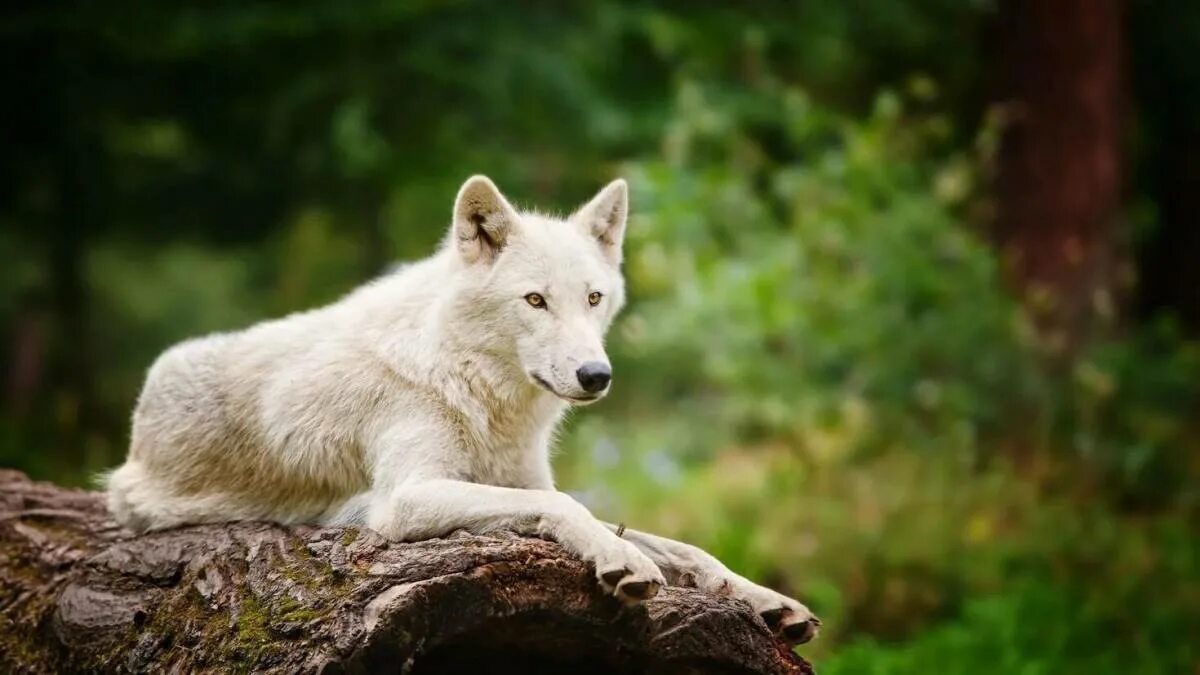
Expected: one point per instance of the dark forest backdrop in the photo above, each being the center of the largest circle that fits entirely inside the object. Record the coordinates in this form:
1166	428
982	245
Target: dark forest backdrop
915	293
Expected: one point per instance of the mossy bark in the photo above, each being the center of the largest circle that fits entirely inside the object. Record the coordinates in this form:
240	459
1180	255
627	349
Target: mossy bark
79	594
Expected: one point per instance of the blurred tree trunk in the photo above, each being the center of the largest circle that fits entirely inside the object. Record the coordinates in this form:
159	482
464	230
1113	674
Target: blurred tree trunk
71	347
78	170
1166	82
1061	82
1170	273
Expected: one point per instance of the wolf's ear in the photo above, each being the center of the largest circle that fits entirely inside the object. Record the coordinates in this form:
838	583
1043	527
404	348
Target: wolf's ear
483	220
604	217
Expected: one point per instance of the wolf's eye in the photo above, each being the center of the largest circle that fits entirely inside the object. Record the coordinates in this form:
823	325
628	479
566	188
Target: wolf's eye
594	298
536	300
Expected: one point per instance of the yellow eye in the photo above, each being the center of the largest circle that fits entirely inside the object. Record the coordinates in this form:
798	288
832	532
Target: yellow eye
594	298
536	300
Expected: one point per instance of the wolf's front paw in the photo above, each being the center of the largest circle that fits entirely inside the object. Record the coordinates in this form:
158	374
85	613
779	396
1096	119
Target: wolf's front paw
787	618
628	574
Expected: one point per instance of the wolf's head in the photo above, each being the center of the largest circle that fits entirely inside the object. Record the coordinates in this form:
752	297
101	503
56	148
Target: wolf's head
543	291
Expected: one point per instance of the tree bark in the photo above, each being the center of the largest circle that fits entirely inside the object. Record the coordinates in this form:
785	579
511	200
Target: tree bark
77	593
1061	81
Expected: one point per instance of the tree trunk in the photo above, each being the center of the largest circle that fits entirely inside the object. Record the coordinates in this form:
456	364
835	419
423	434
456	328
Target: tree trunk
79	594
1062	84
1166	83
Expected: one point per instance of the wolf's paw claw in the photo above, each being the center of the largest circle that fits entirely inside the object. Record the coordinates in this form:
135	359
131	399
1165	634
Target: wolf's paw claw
773	617
801	632
795	627
629	586
631	577
612	577
638	590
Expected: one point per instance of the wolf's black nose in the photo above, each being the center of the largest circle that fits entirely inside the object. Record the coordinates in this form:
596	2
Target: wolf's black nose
594	376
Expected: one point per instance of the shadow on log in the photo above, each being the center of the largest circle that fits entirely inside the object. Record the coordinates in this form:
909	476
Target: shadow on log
79	594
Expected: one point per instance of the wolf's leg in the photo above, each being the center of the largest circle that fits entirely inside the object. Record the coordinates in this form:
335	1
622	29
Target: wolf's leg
423	509
687	565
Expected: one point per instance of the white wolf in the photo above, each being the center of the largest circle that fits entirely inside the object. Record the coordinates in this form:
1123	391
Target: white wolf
423	402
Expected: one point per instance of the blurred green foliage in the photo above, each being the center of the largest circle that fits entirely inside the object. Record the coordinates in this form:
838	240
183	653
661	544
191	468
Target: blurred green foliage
820	376
821	368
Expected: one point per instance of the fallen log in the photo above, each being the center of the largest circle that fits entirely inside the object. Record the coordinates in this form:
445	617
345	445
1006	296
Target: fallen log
78	594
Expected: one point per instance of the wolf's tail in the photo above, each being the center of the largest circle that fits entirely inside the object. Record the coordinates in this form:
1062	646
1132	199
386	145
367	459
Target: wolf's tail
120	485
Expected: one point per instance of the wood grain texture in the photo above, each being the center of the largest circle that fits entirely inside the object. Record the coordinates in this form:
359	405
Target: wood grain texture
79	594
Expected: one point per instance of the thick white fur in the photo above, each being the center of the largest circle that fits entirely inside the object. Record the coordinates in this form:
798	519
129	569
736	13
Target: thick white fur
421	403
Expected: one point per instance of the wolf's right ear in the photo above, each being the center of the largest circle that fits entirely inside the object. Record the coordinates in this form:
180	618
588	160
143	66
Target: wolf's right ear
483	220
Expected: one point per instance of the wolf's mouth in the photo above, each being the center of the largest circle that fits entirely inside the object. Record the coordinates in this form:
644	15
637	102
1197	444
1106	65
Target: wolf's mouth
546	385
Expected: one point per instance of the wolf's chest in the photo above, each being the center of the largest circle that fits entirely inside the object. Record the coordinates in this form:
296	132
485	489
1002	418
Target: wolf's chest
508	467
511	455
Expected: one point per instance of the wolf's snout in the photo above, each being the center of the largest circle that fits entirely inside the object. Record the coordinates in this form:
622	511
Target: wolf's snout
594	376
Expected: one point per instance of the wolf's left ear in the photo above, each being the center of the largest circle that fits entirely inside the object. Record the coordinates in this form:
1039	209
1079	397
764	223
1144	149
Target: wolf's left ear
604	217
483	219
